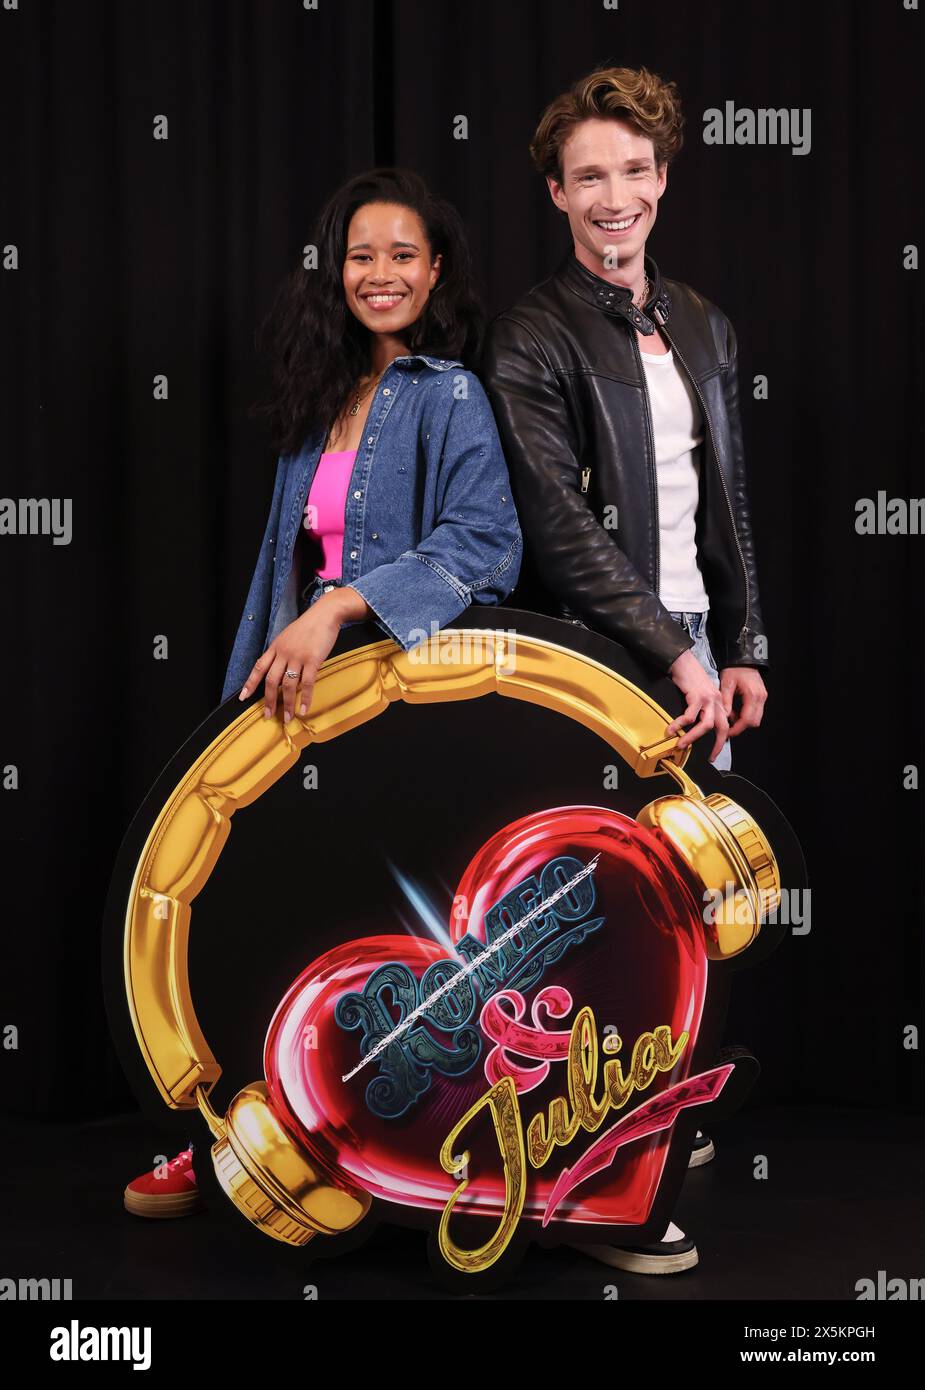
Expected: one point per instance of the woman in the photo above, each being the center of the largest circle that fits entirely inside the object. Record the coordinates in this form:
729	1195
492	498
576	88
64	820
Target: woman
392	500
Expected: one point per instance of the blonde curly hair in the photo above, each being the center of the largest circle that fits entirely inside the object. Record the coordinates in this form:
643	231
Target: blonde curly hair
635	95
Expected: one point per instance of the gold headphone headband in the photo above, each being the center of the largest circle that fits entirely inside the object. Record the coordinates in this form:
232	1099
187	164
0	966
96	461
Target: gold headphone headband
253	753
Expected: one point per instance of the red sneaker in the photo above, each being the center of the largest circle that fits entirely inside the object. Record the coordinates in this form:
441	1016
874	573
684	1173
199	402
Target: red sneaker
169	1190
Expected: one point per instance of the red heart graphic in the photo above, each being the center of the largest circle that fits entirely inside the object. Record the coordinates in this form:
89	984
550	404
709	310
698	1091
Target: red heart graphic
628	944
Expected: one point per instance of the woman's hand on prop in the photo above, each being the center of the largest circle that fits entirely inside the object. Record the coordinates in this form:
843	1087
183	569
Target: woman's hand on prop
704	704
292	660
744	682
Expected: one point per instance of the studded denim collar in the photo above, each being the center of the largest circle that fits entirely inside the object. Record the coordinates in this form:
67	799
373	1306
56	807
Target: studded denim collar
439	364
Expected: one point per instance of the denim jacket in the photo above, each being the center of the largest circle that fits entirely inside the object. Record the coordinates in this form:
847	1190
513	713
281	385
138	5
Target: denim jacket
430	525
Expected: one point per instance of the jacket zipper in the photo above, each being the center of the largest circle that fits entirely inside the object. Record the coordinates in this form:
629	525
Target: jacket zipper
709	428
585	479
650	457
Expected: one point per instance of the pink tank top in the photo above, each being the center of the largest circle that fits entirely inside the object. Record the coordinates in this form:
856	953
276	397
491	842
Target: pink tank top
324	510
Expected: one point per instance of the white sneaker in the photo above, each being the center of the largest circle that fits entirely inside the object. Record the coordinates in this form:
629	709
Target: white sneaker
670	1255
702	1150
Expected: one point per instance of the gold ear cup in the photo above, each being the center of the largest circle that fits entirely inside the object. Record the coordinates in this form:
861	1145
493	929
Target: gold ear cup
271	1180
730	855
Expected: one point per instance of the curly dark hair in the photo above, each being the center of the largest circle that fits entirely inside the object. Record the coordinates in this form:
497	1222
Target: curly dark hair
318	350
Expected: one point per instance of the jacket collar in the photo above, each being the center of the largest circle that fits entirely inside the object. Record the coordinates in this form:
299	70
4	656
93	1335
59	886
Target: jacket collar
439	364
617	299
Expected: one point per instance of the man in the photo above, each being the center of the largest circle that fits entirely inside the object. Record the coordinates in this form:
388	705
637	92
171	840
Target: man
616	397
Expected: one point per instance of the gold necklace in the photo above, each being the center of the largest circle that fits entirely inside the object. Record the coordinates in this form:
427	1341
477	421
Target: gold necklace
356	404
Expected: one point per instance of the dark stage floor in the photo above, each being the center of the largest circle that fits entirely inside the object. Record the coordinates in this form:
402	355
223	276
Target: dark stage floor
844	1199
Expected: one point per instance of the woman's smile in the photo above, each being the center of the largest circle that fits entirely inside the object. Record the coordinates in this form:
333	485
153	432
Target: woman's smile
382	300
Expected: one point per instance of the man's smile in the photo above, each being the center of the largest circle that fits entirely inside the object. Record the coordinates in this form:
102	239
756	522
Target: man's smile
614	226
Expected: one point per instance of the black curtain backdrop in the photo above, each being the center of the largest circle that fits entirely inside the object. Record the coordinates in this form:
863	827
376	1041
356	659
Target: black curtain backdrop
138	257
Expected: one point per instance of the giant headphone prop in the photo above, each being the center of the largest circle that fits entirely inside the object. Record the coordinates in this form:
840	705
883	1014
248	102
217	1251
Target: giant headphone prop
542	1082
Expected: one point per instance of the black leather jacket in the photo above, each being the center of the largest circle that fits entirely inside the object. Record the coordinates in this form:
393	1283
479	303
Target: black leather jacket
565	379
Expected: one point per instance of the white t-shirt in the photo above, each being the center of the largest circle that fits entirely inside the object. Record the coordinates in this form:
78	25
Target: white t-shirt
677	424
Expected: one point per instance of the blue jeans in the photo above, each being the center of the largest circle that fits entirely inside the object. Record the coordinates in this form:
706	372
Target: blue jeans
696	625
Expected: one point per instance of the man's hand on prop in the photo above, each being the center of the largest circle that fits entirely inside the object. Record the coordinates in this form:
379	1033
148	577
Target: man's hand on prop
745	683
293	658
704	704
